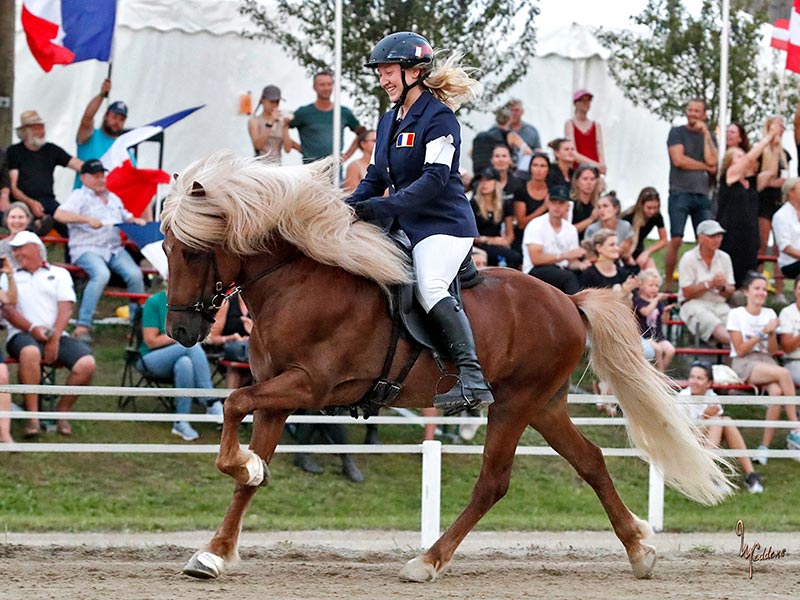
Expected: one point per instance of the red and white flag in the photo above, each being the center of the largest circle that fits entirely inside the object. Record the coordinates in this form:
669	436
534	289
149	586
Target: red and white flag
793	50
780	34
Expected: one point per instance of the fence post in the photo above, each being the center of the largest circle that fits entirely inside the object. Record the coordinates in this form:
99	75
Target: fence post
431	492
655	500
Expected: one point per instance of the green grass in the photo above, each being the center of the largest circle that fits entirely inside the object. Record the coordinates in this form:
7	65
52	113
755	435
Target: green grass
90	492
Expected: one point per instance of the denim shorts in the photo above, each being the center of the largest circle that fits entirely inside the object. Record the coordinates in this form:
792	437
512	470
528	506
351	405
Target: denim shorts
682	205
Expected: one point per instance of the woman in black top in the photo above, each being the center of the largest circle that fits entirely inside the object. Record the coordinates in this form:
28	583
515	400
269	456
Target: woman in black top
644	216
494	219
561	171
584	192
608	271
738	204
532	202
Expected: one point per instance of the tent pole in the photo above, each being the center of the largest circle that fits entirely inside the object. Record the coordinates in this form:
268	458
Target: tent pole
723	78
337	94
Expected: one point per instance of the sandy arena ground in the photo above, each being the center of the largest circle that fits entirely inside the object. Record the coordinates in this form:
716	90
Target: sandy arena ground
364	565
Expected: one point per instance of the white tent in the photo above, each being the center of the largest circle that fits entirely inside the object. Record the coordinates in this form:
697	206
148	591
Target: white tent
172	54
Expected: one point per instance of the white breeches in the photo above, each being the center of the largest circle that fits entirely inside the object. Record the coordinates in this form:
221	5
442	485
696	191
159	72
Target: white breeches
436	262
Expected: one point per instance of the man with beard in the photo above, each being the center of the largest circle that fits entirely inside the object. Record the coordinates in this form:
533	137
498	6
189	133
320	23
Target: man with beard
94	142
31	164
693	157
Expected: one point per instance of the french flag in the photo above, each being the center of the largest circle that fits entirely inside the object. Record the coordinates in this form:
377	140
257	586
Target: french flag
136	187
61	32
793	50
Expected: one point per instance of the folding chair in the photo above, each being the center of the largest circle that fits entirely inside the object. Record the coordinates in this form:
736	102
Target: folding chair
135	374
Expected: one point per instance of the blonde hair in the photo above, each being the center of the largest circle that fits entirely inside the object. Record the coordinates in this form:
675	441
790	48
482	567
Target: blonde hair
786	188
600	236
246	203
495	202
648	194
648	274
452	83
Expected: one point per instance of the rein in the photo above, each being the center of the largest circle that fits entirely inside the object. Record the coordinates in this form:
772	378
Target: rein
208	311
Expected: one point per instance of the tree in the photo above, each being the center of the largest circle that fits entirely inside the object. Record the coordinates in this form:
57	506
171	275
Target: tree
496	35
680	59
6	70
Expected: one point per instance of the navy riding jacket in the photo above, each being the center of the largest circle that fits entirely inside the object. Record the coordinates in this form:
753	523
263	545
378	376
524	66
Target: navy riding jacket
425	198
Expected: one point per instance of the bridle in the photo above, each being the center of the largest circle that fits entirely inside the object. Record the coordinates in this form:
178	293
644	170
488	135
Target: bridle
209	311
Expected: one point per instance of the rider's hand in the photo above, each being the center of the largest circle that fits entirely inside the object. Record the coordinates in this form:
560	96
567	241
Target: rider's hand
363	210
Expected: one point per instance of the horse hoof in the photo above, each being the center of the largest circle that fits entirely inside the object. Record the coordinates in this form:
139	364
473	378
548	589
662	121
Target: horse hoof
257	471
645	562
204	565
418	570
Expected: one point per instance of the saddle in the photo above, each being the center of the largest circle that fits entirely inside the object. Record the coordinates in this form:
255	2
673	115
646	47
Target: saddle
409	321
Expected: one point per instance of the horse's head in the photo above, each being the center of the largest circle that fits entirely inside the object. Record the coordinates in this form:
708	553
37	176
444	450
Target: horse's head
198	280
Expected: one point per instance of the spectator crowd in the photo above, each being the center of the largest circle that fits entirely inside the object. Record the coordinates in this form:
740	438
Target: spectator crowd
544	209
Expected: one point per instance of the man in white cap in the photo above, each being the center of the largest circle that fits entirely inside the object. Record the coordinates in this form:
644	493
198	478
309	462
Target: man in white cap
37	323
706	282
94	142
31	163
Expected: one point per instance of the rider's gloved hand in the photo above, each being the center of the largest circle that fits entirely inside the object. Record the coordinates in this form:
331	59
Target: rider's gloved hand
363	210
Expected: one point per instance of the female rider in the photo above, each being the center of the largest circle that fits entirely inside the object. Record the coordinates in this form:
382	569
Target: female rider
416	158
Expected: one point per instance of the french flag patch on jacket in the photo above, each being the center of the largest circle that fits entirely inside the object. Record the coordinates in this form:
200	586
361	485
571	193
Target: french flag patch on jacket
405	140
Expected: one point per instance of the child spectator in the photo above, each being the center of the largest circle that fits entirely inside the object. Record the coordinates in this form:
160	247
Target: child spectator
701	378
753	342
789	331
587	134
650	309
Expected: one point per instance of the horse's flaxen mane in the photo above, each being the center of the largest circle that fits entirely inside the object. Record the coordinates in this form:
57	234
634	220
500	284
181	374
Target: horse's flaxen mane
246	202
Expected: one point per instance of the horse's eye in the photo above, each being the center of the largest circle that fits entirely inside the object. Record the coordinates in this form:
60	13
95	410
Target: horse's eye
192	256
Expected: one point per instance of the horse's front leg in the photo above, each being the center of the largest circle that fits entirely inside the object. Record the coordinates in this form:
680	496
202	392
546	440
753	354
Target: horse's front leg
211	560
284	393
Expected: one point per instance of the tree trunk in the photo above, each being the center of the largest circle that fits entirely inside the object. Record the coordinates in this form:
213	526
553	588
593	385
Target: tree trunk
7	12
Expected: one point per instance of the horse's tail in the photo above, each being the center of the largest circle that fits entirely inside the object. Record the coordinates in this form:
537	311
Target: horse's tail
655	425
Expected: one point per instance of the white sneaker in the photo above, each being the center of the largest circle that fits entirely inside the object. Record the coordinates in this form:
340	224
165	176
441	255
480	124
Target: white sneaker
215	408
761	455
185	431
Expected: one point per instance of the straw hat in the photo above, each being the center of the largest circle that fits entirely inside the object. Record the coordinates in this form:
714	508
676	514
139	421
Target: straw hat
28	118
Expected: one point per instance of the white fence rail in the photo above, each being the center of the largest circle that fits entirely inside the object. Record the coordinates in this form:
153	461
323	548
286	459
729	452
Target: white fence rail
431	451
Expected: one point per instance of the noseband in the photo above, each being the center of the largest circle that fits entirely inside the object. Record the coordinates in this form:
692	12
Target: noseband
209	311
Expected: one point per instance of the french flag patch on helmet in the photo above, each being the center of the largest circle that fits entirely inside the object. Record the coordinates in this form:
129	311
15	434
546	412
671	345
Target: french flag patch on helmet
405	140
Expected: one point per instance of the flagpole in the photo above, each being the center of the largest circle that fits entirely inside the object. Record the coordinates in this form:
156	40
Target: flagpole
723	77
337	93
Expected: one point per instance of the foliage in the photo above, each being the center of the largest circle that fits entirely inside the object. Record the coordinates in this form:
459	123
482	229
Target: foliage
496	35
679	59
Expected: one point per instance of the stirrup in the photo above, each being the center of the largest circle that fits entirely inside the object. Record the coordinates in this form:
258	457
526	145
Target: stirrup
470	398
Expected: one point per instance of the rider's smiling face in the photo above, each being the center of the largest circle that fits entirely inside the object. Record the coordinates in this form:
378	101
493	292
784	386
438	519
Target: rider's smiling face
391	79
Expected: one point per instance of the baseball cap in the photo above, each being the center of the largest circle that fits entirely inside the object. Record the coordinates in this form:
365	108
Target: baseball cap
709	227
559	193
580	94
25	237
119	107
271	92
92	166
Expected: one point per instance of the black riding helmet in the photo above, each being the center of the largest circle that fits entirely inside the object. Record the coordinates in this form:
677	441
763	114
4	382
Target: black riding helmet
404	48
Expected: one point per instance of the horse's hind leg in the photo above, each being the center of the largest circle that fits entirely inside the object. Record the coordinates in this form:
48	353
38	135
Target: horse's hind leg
502	435
210	561
587	459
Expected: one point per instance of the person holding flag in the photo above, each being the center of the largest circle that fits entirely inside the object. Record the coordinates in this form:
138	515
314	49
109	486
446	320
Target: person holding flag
94	142
91	213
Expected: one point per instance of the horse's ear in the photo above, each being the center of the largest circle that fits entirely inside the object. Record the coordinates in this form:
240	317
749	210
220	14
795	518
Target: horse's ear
198	190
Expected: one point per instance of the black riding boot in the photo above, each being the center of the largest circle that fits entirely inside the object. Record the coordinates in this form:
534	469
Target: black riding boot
454	336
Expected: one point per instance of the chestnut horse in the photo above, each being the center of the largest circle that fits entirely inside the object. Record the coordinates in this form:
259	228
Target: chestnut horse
315	285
